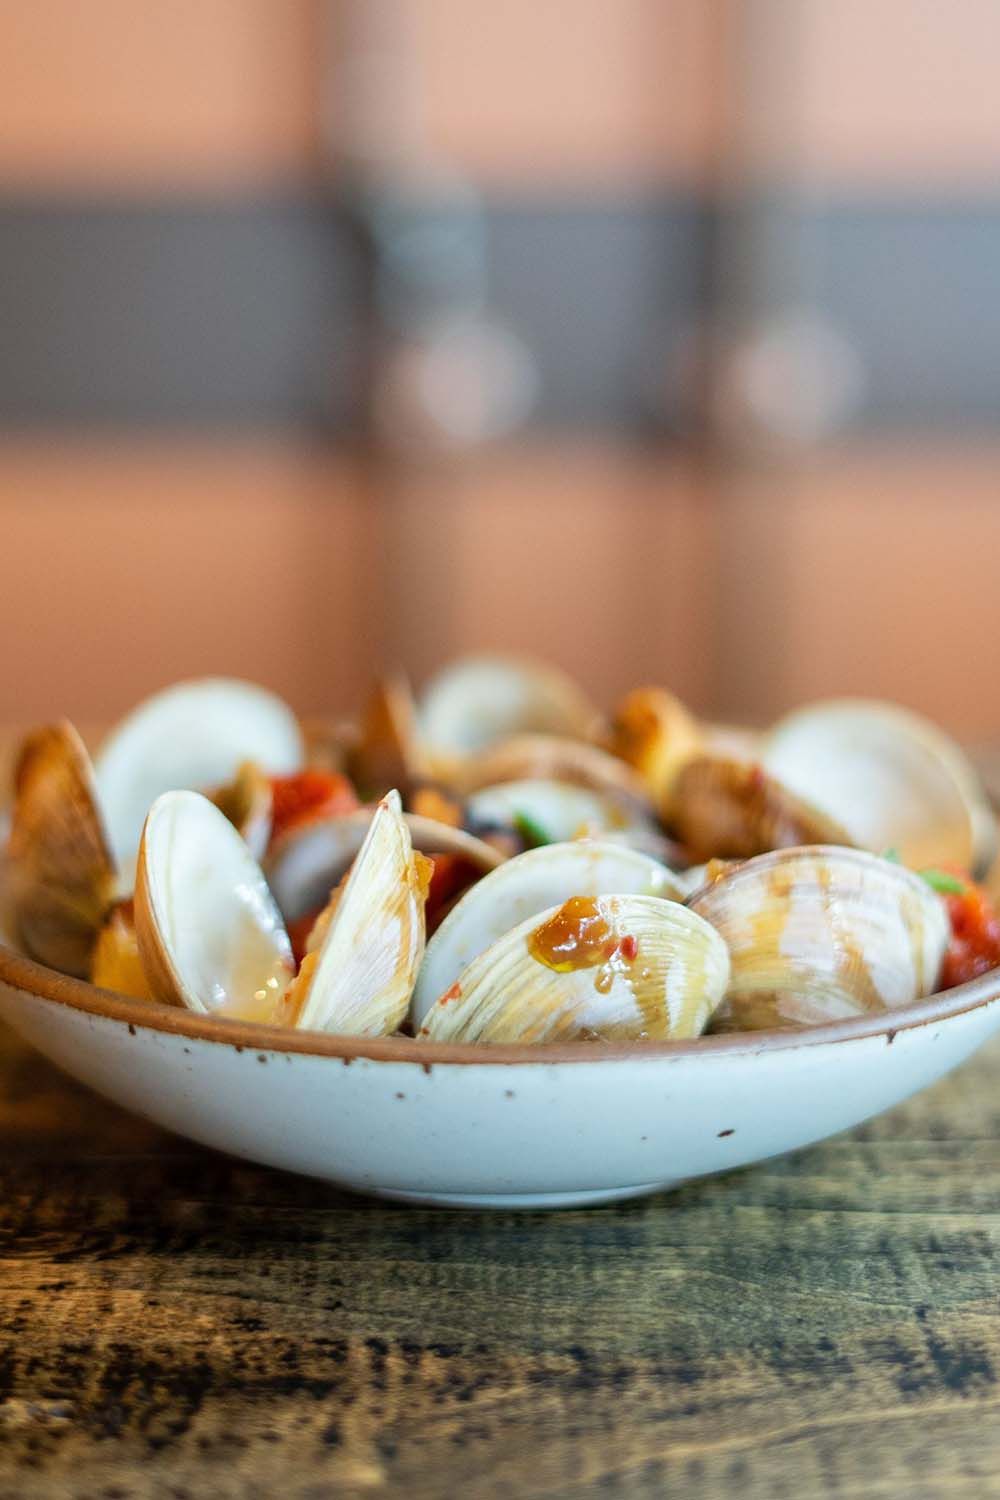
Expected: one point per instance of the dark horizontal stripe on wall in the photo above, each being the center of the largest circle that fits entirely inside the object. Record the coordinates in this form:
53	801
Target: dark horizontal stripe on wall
215	314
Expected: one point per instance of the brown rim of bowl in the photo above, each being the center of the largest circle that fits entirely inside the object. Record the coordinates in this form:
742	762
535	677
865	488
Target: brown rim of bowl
26	975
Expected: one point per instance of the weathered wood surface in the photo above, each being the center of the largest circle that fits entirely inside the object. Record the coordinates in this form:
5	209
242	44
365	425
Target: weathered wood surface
177	1324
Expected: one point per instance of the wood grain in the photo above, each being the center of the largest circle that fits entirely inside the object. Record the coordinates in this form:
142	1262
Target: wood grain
177	1324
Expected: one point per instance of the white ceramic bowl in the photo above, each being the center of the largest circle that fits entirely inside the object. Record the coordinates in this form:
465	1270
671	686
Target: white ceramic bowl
491	1126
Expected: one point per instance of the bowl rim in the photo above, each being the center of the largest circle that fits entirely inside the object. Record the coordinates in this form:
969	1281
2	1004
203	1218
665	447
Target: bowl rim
36	979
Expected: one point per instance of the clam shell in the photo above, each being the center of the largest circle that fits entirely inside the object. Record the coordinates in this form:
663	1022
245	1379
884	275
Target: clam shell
550	757
247	802
889	777
561	811
639	968
481	699
193	735
723	808
306	863
821	934
387	752
521	888
210	935
60	870
358	976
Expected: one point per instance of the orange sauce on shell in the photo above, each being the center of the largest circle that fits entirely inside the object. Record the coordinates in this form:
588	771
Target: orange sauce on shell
577	936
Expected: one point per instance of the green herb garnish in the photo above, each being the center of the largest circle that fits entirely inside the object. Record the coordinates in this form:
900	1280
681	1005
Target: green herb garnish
892	855
942	882
533	833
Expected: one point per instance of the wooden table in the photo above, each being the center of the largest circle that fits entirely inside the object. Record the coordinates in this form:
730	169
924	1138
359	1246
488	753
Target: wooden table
176	1324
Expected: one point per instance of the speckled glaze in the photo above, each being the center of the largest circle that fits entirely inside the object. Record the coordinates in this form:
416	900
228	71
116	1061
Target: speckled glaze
491	1127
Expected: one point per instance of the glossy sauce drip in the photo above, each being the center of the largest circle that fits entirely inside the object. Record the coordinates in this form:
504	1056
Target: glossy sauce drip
580	936
577	936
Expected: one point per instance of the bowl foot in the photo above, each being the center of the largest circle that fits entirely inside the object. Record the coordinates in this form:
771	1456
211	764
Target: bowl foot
577	1198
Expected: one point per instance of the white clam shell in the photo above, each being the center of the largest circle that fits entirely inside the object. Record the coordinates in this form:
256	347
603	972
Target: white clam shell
521	888
194	735
890	778
668	990
823	933
552	757
481	699
305	863
210	934
358	979
562	811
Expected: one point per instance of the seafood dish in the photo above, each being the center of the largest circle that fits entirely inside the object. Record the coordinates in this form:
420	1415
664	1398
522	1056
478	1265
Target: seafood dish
497	861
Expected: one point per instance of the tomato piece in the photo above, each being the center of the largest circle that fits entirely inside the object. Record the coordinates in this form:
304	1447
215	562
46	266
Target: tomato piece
451	874
307	795
975	941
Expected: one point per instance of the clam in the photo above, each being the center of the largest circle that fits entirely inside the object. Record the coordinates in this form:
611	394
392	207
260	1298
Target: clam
653	731
305	864
387	752
364	952
194	735
482	699
724	808
890	778
210	935
596	968
247	802
521	888
549	757
823	933
61	872
554	811
116	963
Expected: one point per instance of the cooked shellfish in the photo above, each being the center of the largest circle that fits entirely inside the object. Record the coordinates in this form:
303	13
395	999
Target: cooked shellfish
193	735
210	935
820	934
306	863
521	888
889	777
481	699
723	808
358	975
61	873
655	733
601	968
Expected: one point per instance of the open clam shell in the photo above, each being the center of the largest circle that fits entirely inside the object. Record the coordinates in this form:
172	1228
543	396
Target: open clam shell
210	935
358	976
248	802
821	934
557	811
724	808
521	888
550	757
387	752
60	870
306	863
193	735
595	968
889	777
482	699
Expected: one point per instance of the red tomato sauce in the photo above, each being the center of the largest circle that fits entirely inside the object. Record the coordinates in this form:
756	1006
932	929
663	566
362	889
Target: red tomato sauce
307	795
975	936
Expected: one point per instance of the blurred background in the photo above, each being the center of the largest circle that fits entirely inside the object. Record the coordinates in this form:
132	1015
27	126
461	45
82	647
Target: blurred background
661	337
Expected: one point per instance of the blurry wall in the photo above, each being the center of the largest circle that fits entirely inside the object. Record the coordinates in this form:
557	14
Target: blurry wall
188	476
